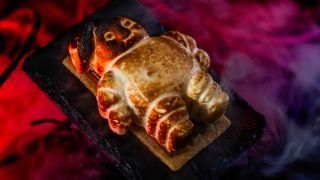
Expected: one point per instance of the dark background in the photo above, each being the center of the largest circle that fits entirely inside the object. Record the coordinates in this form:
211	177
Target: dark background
268	51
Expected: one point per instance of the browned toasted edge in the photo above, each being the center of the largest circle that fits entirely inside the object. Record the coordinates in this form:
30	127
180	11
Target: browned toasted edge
177	160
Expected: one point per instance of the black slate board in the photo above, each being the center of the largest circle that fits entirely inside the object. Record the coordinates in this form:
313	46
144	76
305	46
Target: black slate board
130	156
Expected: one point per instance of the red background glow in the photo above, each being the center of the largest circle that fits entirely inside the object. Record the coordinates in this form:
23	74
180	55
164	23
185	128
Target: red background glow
268	51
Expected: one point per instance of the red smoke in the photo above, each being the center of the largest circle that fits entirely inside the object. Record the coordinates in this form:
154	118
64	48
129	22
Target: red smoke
36	152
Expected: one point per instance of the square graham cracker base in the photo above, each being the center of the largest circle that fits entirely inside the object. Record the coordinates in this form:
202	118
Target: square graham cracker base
173	161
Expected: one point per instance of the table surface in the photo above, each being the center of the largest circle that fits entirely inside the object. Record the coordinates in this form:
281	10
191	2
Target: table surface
130	156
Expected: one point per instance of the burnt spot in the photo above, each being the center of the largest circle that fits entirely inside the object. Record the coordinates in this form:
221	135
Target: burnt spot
86	44
179	135
112	35
118	122
152	124
119	34
106	100
126	23
169	122
116	47
109	36
113	26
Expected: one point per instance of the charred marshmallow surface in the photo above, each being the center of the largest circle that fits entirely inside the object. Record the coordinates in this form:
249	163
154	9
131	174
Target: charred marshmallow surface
159	83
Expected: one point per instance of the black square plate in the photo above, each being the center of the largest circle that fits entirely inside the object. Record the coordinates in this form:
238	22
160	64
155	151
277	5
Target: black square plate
132	158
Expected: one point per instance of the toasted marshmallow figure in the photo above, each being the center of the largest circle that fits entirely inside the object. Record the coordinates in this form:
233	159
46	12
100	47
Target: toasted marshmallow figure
159	83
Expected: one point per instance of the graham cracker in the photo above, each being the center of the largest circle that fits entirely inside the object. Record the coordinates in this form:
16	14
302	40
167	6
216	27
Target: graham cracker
173	161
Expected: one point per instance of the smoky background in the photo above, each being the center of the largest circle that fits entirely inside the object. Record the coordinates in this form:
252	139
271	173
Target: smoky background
267	51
